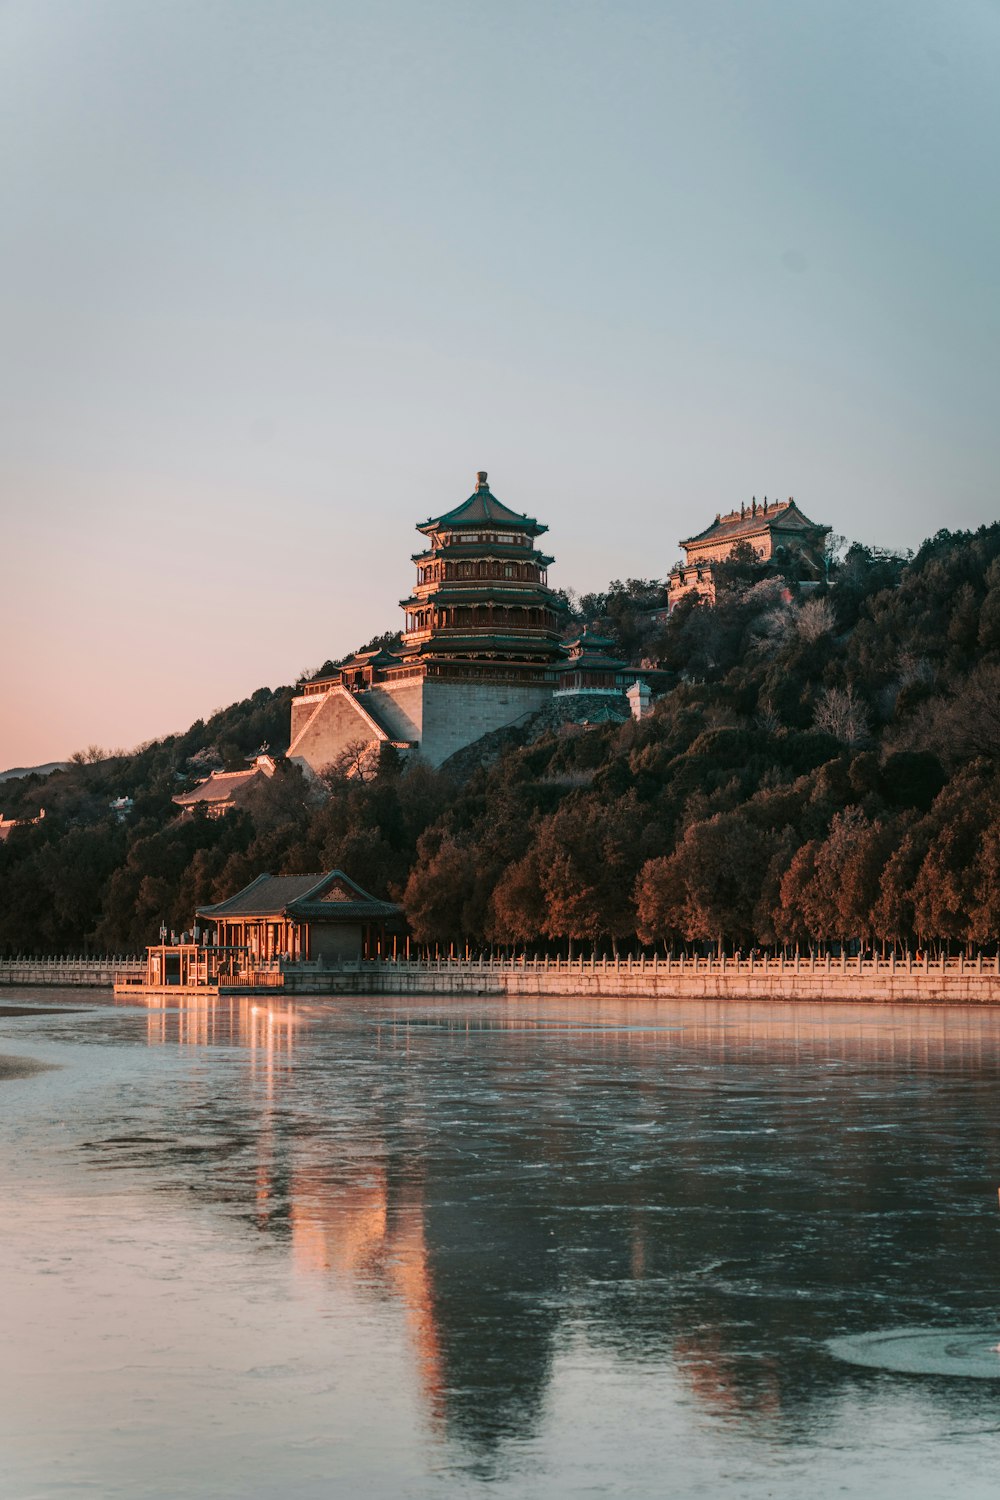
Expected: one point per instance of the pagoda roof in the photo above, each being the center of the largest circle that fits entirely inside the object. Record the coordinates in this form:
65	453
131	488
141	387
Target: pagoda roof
504	551
483	509
782	516
443	641
333	897
483	591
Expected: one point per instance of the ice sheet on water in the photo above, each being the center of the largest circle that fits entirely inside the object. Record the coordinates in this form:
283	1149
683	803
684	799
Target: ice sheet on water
970	1352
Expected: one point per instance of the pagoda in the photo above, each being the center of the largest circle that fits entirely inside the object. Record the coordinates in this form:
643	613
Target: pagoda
482	607
479	649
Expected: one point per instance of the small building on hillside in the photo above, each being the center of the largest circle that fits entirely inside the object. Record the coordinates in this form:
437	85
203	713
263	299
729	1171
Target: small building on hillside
304	917
591	667
776	531
222	791
7	825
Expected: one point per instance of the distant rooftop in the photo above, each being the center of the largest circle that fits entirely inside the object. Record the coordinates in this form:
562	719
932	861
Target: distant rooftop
750	520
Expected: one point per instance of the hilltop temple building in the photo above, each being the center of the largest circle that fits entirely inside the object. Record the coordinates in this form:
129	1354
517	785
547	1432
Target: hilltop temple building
223	791
777	531
481	649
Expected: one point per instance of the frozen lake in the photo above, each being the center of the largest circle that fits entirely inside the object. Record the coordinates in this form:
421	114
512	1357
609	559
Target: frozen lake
534	1248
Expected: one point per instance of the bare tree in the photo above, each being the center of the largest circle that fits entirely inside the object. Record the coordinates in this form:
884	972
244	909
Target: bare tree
357	761
815	619
842	713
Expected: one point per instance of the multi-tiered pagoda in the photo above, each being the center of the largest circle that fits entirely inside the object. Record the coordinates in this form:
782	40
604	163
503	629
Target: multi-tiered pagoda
482	607
478	652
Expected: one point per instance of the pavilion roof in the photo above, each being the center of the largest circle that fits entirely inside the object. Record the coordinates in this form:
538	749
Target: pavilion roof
595	661
332	896
591	640
379	658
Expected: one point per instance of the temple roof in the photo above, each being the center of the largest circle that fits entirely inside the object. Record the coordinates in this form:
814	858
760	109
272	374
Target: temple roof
333	897
220	786
783	516
377	658
484	509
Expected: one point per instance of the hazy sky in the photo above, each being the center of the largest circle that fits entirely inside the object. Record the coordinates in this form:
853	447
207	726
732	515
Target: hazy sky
277	277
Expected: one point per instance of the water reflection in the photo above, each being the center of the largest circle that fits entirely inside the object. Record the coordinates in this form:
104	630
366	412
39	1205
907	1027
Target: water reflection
202	1021
712	1189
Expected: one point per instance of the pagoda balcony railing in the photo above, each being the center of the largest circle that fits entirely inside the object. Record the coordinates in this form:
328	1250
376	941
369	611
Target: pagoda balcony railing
486	627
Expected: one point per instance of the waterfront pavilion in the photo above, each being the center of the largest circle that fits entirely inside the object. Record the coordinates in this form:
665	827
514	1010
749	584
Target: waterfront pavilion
301	917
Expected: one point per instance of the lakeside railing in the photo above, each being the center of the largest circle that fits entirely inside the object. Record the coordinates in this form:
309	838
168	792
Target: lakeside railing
130	970
84	970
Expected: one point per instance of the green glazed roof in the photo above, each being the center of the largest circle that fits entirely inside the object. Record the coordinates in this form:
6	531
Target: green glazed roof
483	509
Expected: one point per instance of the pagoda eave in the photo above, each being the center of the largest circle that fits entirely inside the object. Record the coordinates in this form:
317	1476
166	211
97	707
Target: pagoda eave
520	526
465	551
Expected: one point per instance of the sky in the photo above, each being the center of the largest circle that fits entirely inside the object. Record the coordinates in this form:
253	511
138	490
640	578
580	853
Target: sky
278	277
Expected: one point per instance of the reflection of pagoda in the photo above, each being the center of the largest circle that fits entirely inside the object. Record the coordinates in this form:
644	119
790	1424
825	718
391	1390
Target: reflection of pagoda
482	634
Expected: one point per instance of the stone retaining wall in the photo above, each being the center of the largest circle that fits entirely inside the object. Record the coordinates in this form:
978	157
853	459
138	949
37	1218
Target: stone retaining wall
954	981
950	981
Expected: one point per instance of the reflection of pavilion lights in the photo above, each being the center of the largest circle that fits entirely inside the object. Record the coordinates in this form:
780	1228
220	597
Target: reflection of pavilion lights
193	1020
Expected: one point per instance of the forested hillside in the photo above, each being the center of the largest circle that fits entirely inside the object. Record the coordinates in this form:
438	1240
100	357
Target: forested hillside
824	770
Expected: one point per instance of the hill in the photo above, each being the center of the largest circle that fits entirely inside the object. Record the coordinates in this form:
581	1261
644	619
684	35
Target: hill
16	772
824	770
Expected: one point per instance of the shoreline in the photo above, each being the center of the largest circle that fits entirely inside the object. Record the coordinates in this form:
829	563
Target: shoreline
908	981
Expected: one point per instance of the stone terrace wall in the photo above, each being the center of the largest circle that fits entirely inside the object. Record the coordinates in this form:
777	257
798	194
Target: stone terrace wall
955	981
951	981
